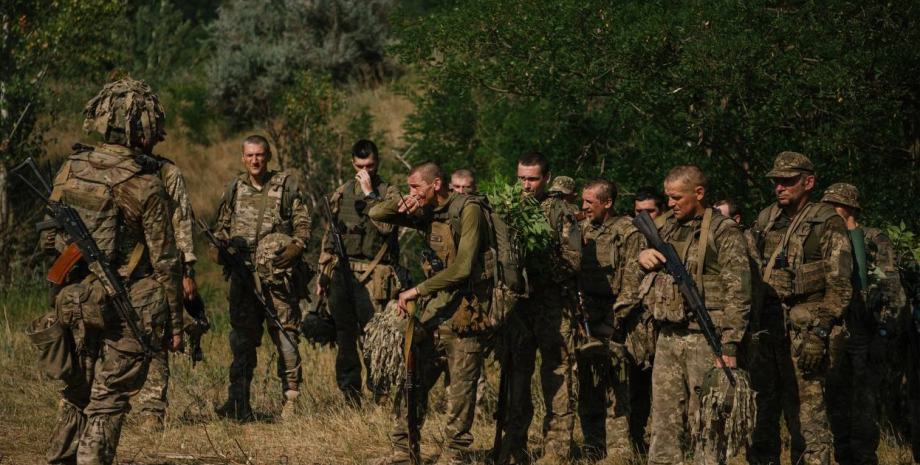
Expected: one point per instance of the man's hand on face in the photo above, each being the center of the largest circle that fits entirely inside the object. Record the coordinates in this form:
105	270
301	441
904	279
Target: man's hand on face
651	259
364	180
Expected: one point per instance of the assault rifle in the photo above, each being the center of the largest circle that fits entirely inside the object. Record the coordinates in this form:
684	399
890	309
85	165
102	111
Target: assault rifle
412	385
195	308
685	285
338	242
84	248
504	396
591	345
246	278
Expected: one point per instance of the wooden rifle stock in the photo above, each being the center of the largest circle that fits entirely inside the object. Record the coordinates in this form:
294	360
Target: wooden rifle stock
64	263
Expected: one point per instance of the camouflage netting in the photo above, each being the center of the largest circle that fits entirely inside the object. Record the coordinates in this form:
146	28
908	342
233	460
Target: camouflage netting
726	415
385	339
125	108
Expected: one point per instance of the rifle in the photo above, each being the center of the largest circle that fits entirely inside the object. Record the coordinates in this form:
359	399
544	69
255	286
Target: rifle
343	262
412	386
504	398
195	308
244	275
685	285
83	247
591	345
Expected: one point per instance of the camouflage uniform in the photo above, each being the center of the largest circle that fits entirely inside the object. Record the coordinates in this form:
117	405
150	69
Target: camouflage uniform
609	279
465	283
136	234
152	400
353	304
807	287
543	321
682	355
873	319
239	224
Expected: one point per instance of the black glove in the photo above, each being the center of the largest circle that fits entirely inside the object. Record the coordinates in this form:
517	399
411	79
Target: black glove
811	352
288	257
214	254
878	351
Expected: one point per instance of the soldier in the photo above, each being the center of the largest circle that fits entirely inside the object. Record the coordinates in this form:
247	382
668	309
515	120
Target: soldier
127	212
456	316
730	209
372	248
545	324
564	187
609	280
872	321
807	263
716	257
152	400
649	199
463	181
258	204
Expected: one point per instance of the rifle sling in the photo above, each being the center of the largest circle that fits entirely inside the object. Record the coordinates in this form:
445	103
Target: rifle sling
782	245
261	218
701	251
374	262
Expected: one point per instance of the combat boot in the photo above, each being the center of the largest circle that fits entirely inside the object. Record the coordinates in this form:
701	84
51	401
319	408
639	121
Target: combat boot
235	409
290	404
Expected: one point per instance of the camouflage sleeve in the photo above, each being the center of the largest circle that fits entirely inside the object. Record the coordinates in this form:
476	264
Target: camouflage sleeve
894	299
736	283
630	276
568	261
473	224
161	245
221	226
301	221
837	256
182	216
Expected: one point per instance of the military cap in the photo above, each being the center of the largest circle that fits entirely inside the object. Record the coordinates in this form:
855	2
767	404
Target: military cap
790	164
563	184
843	194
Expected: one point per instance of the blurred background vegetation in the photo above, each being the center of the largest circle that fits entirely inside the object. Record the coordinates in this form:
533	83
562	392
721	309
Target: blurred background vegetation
621	90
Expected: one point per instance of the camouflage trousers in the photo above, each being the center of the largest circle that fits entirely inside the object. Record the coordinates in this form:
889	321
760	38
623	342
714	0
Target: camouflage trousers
246	322
640	406
682	358
152	398
783	389
542	322
352	306
603	406
461	358
853	384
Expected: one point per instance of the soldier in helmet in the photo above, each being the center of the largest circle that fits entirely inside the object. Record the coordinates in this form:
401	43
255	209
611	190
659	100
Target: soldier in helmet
127	211
373	249
806	263
255	205
872	321
609	281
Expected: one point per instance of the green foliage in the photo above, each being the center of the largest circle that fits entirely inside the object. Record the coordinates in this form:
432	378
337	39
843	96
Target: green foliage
523	215
907	247
629	89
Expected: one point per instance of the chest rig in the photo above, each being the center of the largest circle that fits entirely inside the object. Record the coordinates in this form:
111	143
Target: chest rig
601	260
444	239
361	239
258	213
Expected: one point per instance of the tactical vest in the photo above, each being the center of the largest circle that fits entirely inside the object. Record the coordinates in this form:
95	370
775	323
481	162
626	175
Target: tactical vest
444	238
361	239
791	256
601	260
257	213
86	183
682	238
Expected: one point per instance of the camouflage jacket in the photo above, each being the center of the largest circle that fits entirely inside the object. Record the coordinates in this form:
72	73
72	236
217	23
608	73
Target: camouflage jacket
284	212
609	265
882	306
817	265
562	262
183	217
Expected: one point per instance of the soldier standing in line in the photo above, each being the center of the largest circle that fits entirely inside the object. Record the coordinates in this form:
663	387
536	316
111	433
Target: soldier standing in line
650	200
372	248
456	317
872	321
609	280
463	181
715	255
546	317
807	263
258	204
152	401
730	209
127	212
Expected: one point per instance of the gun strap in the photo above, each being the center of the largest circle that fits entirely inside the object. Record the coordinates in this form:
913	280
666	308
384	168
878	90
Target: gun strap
782	244
684	254
374	262
136	255
701	251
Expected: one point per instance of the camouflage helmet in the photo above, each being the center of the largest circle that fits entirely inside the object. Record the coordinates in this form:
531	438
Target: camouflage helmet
563	184
791	164
843	194
266	253
123	109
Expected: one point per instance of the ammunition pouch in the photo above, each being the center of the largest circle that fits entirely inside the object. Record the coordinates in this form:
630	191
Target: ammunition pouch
385	283
809	279
504	300
641	335
149	301
663	298
781	283
57	353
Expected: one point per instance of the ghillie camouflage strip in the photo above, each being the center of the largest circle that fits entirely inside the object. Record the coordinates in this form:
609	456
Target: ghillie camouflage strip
725	419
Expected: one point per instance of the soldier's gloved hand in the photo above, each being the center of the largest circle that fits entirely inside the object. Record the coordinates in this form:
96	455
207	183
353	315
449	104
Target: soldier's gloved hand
288	257
878	351
214	254
811	352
